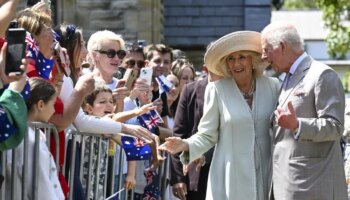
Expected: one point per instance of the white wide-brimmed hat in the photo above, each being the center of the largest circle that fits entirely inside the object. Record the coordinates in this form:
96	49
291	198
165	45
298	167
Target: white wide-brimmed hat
233	42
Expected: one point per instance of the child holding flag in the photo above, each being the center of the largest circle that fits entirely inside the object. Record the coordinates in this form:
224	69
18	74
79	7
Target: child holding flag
100	104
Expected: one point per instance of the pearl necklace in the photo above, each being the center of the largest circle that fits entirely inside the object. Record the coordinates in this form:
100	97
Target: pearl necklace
250	93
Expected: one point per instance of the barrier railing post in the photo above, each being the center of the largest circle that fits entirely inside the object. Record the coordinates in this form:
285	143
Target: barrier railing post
3	172
36	163
163	183
132	194
107	172
113	173
88	188
58	150
13	174
83	142
48	138
97	178
25	164
120	177
72	166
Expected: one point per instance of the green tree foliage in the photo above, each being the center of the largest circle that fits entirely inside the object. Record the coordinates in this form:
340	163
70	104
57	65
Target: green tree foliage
336	15
299	4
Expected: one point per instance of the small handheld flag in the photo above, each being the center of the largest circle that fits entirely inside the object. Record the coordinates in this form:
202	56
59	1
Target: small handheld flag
135	148
150	120
164	84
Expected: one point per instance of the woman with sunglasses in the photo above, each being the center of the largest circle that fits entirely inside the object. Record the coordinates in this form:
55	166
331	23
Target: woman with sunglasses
106	50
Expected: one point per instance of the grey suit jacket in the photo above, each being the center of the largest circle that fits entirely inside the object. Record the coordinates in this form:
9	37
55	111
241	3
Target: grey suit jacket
311	166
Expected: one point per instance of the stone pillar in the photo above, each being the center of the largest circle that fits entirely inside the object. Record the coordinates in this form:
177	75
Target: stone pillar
151	21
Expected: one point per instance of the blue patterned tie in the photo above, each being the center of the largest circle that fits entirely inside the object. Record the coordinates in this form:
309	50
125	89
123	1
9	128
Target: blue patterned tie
286	80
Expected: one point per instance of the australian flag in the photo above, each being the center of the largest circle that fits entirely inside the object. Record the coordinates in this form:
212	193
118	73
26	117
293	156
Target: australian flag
135	148
150	120
164	84
32	47
151	191
7	129
43	66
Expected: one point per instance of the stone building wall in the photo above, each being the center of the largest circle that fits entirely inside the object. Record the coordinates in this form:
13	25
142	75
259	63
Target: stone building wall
134	19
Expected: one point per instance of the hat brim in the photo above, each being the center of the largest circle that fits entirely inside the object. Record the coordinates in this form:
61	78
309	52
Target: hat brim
233	42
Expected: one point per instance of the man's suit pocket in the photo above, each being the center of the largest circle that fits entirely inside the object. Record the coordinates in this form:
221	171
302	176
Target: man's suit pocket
306	170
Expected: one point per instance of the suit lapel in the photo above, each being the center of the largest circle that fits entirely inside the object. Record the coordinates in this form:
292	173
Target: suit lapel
297	77
294	80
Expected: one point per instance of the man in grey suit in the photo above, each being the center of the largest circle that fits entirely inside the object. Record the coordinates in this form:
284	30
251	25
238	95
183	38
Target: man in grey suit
308	122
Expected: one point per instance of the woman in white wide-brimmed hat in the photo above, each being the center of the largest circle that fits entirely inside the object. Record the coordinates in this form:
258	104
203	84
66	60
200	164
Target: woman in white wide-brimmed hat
236	118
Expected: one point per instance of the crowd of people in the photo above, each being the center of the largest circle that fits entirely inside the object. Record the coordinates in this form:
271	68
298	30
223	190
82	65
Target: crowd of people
236	133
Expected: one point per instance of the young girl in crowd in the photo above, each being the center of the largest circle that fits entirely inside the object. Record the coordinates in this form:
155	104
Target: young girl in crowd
40	108
185	73
40	105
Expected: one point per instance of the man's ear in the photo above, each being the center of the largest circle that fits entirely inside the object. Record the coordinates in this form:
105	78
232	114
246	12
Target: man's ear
283	47
146	63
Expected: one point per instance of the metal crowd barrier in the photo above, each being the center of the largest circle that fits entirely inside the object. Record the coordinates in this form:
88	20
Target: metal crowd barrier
10	173
109	180
81	137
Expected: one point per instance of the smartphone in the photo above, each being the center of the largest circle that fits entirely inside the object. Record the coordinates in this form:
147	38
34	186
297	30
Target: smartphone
59	58
130	76
146	74
16	48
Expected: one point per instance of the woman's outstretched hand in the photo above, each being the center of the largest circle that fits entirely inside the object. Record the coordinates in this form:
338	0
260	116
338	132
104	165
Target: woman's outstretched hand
174	145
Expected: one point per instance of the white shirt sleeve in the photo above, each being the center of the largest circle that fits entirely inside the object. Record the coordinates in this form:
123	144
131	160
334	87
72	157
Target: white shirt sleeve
86	123
91	124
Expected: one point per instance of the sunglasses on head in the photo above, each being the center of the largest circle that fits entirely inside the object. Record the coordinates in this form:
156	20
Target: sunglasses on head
139	63
111	53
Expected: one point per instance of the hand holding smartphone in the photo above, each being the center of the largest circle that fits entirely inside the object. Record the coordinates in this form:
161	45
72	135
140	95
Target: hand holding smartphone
60	56
16	48
121	83
146	74
130	76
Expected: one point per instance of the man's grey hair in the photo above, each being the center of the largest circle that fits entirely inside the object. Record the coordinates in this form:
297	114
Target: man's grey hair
278	32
